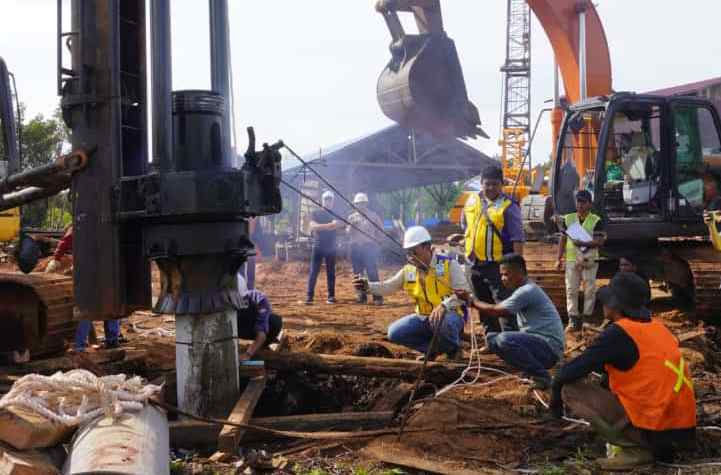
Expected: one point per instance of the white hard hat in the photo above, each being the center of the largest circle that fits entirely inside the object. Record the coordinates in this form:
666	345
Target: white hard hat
327	195
360	198
414	236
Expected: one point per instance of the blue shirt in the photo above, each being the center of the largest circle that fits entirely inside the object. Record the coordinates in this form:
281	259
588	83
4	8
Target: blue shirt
536	315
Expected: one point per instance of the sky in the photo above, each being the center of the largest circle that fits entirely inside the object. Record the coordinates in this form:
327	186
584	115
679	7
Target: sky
306	71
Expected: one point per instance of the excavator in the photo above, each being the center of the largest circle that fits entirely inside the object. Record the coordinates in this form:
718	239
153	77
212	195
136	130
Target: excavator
662	146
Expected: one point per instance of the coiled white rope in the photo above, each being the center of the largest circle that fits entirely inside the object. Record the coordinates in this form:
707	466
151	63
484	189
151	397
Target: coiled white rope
78	396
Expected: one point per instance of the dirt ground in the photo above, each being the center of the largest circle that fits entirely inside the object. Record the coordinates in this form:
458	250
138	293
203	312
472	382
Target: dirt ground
512	432
498	425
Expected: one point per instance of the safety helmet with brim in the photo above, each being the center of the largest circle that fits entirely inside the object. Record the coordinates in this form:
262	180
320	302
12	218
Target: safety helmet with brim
415	236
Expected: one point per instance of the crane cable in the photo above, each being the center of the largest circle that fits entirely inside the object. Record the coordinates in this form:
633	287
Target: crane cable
335	190
336	215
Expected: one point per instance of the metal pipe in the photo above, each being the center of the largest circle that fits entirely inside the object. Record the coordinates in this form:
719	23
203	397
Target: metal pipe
34	177
556	85
162	77
219	69
583	86
28	195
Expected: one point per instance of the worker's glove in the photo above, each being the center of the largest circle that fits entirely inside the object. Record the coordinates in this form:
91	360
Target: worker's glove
455	239
360	283
52	267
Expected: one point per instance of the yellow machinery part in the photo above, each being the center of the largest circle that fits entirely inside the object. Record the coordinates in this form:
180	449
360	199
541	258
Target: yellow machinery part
9	224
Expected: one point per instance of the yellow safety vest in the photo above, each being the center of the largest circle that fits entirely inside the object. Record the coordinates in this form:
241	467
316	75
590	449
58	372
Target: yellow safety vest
430	289
589	224
481	241
714	234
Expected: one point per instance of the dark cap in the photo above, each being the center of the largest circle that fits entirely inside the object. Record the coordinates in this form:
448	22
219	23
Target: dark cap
492	172
584	195
628	294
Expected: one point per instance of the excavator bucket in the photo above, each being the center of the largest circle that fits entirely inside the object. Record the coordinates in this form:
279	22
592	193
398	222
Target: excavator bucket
422	87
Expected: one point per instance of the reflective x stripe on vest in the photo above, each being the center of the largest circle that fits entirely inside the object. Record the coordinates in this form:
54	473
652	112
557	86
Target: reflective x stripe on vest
481	241
657	392
589	224
681	375
428	291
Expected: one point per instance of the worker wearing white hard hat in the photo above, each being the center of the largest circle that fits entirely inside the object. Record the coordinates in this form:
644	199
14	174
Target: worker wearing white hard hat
324	228
431	279
365	236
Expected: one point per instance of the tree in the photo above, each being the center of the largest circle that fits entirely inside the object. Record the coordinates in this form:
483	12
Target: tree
42	140
442	198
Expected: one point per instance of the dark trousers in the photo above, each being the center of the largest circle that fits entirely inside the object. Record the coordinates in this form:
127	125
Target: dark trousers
364	257
487	287
525	351
317	256
246	326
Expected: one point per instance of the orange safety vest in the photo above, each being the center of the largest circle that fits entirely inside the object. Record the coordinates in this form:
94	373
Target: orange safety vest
657	392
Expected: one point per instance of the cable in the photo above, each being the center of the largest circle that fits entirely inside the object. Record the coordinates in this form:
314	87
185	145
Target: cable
335	190
336	215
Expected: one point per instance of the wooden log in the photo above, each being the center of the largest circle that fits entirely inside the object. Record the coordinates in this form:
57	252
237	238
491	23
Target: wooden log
196	434
132	444
439	373
230	436
24	429
64	363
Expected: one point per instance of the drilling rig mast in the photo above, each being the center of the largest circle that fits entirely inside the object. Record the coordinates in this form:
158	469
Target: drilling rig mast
516	120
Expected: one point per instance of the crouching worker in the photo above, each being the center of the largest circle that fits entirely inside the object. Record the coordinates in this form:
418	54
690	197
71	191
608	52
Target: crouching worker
256	320
430	278
649	408
539	343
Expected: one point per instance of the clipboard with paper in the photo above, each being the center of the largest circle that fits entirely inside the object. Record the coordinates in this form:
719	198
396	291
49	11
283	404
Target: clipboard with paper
577	233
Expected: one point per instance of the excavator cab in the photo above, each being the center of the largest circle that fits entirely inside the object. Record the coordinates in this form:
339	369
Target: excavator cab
422	86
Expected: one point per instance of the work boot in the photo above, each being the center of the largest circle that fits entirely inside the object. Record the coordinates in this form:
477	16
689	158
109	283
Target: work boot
331	300
625	458
308	301
575	324
377	301
361	297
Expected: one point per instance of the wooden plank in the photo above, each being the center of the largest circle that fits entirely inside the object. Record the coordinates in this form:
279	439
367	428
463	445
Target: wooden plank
196	434
31	462
229	437
438	373
397	454
23	429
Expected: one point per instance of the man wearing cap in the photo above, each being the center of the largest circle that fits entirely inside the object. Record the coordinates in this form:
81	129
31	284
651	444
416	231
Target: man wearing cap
649	408
430	278
256	320
493	227
364	247
323	227
581	259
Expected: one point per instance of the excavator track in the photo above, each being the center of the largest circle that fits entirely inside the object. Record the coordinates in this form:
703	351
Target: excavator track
705	266
541	262
36	312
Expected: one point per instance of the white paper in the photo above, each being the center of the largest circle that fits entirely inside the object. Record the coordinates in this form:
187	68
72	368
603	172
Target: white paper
577	233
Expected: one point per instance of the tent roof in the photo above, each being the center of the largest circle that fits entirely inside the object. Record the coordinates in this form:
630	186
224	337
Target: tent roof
382	161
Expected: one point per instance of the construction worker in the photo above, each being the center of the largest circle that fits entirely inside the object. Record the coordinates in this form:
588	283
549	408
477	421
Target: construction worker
581	260
430	278
85	327
493	228
649	409
323	227
364	249
712	208
256	320
539	343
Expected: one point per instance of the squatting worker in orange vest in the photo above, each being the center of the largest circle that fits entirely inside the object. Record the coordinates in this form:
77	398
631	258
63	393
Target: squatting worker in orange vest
493	227
649	408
